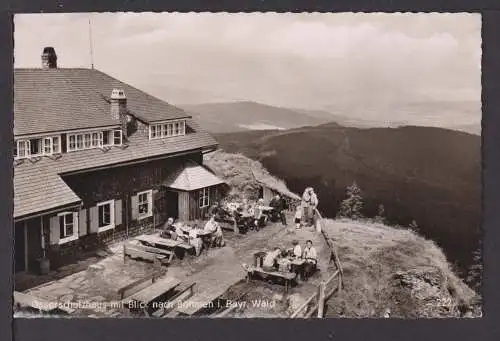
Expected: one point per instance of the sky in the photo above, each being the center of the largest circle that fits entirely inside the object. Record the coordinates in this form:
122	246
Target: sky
308	60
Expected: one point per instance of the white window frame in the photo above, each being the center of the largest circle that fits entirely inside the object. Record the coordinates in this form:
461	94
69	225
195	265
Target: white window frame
46	146
204	195
40	153
149	194
117	134
74	236
26	144
96	139
167	129
111	224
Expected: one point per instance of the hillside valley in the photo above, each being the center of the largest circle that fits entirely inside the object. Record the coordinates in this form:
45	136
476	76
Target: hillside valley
429	175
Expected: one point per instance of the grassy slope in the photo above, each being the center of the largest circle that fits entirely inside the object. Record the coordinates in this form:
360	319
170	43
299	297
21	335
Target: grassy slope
395	269
372	256
237	169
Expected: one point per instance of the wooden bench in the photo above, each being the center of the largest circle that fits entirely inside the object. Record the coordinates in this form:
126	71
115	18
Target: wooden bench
288	277
199	301
184	291
139	284
149	294
22	300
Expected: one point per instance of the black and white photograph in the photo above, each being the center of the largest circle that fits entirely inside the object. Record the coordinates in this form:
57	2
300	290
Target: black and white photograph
247	165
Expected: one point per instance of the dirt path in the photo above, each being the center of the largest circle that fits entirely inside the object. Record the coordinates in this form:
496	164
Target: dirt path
218	268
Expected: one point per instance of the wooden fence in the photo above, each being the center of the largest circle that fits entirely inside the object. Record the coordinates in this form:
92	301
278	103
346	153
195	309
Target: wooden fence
315	304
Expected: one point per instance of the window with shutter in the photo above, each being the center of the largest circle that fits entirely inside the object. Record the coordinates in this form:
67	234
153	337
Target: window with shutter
118	212
144	204
133	207
54	230
93	220
82	222
68	226
105	215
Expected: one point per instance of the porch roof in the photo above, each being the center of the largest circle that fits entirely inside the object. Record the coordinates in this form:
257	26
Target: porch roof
191	177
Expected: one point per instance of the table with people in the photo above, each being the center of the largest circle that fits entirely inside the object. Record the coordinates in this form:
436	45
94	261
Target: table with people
210	235
302	263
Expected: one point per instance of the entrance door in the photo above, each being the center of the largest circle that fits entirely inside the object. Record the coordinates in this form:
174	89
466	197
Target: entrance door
172	200
19	247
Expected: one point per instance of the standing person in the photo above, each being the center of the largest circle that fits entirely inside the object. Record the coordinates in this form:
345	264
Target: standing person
311	259
298	216
274	203
313	206
306	201
296	253
258	215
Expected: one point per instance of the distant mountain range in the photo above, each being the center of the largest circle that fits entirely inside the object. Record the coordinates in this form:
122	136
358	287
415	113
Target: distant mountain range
428	174
244	116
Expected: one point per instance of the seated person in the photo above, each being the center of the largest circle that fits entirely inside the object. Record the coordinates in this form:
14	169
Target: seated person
296	251
168	229
195	240
284	264
218	237
214	209
211	224
240	220
258	215
270	260
311	260
214	228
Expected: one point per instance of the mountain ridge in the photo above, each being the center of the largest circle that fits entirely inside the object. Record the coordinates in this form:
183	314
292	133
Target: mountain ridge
226	117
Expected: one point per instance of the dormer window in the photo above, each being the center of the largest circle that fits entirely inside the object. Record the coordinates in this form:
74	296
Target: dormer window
37	147
94	139
169	129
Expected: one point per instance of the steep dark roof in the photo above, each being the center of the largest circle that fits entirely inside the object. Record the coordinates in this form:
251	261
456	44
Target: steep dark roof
47	100
38	186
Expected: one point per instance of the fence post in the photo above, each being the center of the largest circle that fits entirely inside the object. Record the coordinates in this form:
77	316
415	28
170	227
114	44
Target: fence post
321	299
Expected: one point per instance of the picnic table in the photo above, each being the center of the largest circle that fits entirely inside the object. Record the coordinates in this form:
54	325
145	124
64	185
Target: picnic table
156	241
286	276
186	229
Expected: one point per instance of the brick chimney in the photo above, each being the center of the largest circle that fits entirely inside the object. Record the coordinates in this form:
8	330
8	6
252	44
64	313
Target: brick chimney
119	109
49	58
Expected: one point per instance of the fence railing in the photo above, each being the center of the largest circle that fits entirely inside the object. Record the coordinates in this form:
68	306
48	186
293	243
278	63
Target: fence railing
326	288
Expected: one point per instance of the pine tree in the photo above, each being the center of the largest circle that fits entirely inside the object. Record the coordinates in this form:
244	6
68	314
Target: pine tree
413	226
475	271
352	205
380	217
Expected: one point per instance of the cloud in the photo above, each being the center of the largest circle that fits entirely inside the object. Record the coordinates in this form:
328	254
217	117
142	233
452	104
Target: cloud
300	60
